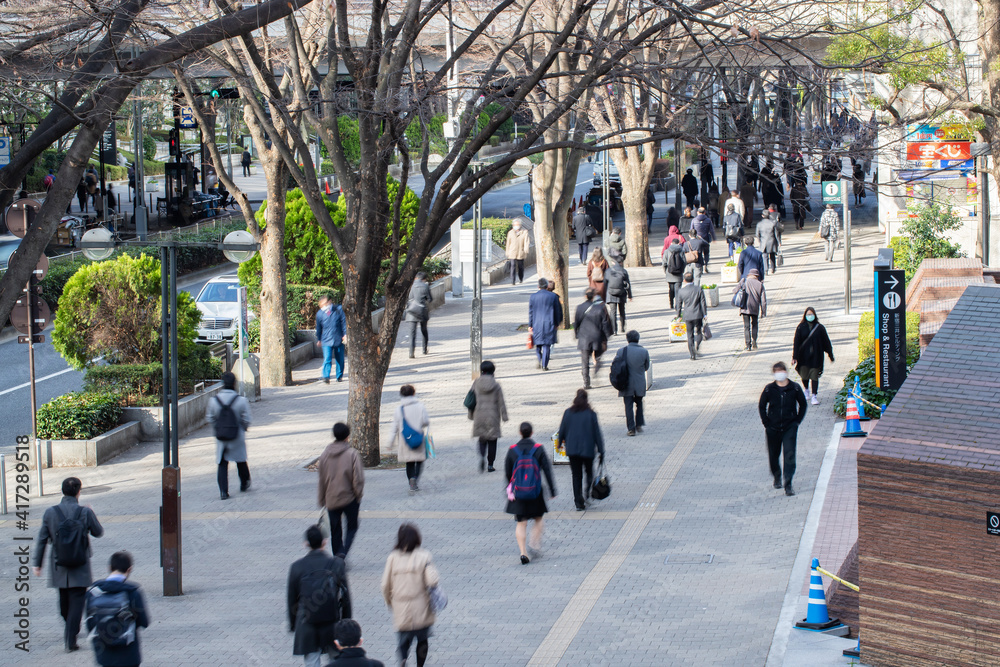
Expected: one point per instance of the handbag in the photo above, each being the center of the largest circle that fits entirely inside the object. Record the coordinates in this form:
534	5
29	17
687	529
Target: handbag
590	231
706	333
530	346
601	488
741	297
691	256
780	259
470	400
429	445
438	599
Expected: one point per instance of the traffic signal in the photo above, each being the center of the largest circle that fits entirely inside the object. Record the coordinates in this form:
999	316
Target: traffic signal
224	94
172	142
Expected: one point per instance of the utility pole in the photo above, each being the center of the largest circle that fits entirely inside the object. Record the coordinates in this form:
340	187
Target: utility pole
476	333
847	246
605	200
450	131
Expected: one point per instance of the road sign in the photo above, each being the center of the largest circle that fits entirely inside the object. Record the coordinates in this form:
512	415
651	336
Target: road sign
109	145
40	269
992	523
186	117
20	215
890	329
19	318
831	192
4	151
466	249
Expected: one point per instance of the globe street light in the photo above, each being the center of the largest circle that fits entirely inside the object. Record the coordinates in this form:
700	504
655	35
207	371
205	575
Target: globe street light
98	244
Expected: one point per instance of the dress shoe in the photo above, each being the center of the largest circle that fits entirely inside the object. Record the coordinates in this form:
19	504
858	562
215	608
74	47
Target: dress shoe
340	379
524	560
755	345
491	469
586	385
72	647
788	490
224	495
777	481
245	487
581	508
326	380
631	433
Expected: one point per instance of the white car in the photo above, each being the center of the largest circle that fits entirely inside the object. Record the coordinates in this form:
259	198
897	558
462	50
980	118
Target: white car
219	306
613	176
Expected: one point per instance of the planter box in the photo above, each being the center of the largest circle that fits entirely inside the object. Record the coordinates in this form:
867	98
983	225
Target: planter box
728	274
305	351
190	415
713	297
88	453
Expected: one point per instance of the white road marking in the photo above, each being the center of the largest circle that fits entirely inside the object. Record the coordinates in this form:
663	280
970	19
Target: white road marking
37	380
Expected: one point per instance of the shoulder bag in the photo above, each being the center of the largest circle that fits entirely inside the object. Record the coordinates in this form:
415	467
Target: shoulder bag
601	488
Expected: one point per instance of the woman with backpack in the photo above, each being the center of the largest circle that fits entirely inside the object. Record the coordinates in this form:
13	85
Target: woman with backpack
811	342
595	272
525	464
408	425
407	581
673	267
581	435
487	413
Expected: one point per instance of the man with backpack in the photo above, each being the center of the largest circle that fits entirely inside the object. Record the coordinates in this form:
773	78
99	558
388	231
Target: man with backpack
525	463
829	230
628	376
67	525
591	326
619	289
318	597
115	612
229	413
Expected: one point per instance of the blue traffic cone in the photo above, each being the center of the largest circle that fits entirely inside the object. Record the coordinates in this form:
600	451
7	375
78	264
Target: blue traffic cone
854	652
861	404
852	427
817	617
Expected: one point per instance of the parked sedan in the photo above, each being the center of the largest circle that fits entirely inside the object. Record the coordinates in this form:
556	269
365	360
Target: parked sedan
218	302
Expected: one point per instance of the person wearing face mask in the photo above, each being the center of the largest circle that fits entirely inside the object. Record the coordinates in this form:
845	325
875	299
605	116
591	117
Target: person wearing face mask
782	408
518	241
811	342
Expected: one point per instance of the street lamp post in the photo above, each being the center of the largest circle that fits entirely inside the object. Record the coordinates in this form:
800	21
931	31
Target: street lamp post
99	244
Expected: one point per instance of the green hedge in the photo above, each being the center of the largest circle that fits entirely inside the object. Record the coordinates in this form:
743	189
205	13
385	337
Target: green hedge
78	416
498	226
866	334
142	384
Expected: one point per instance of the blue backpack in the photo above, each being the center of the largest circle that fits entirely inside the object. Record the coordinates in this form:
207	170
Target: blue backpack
412	436
527	476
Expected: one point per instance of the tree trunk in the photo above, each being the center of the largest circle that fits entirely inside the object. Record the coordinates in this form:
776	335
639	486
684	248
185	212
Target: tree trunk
989	51
369	363
636	231
275	352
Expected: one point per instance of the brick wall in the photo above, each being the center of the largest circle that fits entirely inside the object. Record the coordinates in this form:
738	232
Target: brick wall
930	592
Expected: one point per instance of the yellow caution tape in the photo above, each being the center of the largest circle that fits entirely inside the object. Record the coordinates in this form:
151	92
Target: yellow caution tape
836	578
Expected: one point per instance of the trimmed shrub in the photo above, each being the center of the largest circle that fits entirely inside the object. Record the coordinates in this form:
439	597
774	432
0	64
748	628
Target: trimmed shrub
78	416
148	147
142	384
497	226
866	335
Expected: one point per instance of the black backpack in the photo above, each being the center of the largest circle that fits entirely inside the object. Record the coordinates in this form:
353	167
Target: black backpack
110	616
227	427
615	281
323	597
70	544
676	263
619	370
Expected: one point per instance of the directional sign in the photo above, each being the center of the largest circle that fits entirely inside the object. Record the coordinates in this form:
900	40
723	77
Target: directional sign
109	145
831	192
186	116
890	329
992	523
4	151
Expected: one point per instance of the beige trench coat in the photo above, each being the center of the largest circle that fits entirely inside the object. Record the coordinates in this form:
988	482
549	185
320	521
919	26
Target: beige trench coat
405	581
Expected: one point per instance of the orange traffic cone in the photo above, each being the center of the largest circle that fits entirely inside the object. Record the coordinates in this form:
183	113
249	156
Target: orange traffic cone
327	185
852	427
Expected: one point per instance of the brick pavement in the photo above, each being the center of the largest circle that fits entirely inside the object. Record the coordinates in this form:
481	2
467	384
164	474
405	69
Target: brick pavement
695	483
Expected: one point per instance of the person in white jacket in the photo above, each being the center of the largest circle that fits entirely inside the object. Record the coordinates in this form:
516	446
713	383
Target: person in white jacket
413	413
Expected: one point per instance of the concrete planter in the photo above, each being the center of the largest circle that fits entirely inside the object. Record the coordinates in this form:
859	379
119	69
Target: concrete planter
304	352
728	274
712	295
88	453
190	414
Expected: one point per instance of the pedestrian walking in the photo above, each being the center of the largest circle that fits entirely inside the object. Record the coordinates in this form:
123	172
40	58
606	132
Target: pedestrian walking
407	580
115	611
81	195
317	598
66	526
750	258
348	640
229	414
782	408
489	410
686	221
724	197
592	327
689	185
545	314
692	309
518	242
245	161
748	195
418	310
705	230
49	180
524	466
131	177
331	328
811	342
712	209
650	207
695	249
617	250
800	204
409	426
771	190
619	289
341	485
737	204
581	435
583	230
673	218
829	230
674	233
674	265
732	226
636	364
595	272
859	184
755	306
767	237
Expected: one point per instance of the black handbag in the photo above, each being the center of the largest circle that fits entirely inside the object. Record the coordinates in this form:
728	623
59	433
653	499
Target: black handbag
602	485
470	400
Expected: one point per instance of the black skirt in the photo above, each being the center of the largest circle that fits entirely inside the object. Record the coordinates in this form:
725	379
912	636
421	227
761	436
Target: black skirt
527	509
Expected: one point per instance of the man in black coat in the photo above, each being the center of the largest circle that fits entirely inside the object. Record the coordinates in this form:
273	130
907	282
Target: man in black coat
581	221
591	326
689	184
107	652
750	258
72	582
782	408
305	601
349	640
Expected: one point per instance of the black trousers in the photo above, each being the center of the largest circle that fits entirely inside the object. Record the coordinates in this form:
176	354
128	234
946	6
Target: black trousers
71	601
632	421
585	364
673	293
413	469
338	543
690	200
782	443
516	270
241	469
616	311
750	328
694	335
770	261
413	335
488	448
577	466
584	250
246	170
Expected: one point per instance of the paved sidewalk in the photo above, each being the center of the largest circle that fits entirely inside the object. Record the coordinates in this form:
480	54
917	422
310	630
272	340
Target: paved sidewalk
687	562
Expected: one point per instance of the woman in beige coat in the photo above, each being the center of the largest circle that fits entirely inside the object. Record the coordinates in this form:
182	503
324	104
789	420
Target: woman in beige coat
415	414
408	577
